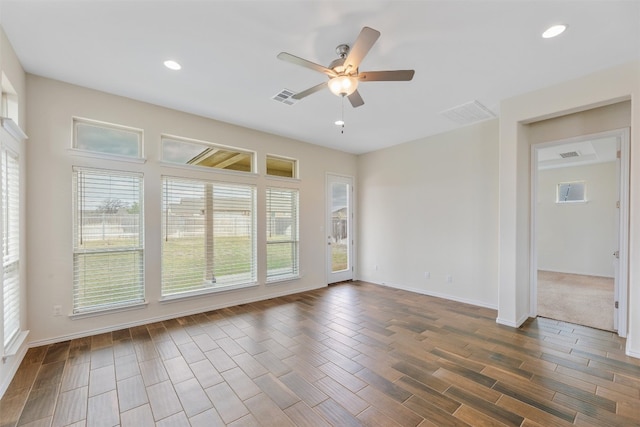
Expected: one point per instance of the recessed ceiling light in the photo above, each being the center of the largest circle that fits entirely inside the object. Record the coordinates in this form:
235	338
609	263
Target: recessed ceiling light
339	122
554	30
172	65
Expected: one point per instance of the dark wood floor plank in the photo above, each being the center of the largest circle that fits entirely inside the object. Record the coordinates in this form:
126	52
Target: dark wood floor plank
390	407
336	414
269	414
350	354
303	416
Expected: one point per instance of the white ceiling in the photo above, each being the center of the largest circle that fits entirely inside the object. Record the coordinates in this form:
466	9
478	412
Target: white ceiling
461	51
589	151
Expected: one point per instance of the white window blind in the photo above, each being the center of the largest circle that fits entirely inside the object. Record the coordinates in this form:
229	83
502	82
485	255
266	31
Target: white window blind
10	245
208	236
108	240
282	234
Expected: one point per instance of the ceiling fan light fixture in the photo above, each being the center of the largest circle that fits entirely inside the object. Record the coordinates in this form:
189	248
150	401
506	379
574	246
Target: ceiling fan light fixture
343	85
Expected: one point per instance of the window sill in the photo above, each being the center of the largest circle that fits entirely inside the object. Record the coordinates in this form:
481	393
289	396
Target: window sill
87	314
280	280
13	129
207	169
13	348
105	156
282	178
200	292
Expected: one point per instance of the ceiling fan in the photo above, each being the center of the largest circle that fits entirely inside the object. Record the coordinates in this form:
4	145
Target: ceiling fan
343	72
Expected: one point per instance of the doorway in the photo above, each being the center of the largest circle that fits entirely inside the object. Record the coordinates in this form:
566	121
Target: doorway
339	228
579	230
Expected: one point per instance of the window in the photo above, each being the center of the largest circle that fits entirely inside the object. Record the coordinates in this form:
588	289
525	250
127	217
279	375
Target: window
10	245
282	234
571	192
198	153
107	138
108	240
281	166
208	236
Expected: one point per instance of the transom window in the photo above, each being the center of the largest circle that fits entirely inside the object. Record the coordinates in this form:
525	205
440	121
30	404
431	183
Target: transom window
107	138
198	153
208	236
281	166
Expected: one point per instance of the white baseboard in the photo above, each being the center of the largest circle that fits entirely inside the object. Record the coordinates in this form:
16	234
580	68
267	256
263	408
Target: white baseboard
141	322
511	323
631	353
438	295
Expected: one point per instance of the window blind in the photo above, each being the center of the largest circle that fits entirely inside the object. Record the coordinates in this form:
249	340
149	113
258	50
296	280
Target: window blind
282	234
10	245
209	238
108	240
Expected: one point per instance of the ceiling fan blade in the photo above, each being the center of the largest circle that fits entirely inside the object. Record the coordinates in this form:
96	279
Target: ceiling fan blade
355	99
309	91
307	64
362	45
386	76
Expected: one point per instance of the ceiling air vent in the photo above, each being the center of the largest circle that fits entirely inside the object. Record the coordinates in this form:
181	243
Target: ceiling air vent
285	96
468	113
569	154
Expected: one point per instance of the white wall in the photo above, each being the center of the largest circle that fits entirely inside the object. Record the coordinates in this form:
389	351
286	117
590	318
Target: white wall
578	238
10	67
51	106
606	87
431	205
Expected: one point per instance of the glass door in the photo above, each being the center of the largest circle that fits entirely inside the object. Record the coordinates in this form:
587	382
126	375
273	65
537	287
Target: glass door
339	228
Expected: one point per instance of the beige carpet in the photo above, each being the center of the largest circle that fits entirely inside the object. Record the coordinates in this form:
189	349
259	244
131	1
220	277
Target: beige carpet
585	300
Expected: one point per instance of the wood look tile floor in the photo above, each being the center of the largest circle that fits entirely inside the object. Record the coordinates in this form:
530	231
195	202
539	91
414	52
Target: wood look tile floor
347	355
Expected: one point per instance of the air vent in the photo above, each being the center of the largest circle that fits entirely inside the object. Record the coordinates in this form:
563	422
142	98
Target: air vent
285	96
468	113
569	154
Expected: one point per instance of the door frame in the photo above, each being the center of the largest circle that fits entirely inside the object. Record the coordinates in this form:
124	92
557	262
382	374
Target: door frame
621	290
348	274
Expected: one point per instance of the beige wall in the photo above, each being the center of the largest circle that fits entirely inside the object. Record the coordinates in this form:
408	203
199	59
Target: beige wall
431	206
11	69
578	238
51	106
621	83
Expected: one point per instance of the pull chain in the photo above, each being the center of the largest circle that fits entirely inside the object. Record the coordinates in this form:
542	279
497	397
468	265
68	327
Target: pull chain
342	130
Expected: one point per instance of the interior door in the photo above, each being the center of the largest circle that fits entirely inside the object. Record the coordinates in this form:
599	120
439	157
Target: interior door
339	228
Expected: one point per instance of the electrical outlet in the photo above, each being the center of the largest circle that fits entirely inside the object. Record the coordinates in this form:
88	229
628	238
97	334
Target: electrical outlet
449	278
427	275
57	310
376	267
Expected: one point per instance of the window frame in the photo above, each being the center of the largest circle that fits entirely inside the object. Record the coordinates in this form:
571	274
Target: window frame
11	259
78	310
294	166
294	240
563	202
103	154
205	145
207	286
